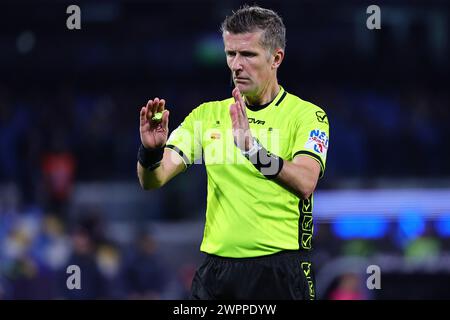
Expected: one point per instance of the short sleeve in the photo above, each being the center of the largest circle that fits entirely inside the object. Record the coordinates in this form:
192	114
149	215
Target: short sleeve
312	136
186	139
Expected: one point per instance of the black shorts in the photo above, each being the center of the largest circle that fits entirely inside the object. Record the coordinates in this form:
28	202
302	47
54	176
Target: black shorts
286	275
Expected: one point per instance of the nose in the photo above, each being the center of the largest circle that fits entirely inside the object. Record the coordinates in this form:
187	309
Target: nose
236	64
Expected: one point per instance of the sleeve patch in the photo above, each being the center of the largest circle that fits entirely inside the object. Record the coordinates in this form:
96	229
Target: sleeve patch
317	142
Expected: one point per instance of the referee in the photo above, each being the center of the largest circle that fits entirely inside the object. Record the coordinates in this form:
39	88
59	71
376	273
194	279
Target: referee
264	150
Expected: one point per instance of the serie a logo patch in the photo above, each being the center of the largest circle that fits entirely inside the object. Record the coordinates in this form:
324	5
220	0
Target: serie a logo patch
317	142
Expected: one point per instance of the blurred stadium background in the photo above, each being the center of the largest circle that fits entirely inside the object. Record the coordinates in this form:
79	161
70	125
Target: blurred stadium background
69	104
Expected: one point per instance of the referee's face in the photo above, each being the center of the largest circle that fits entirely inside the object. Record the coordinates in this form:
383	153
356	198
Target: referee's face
250	63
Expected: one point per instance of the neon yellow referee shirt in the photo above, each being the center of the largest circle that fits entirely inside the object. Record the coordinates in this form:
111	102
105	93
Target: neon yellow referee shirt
248	215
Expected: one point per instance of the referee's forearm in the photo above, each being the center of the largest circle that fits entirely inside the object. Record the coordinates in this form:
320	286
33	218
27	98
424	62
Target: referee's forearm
298	178
149	179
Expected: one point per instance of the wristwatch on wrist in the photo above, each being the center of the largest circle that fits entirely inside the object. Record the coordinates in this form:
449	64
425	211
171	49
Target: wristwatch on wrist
253	150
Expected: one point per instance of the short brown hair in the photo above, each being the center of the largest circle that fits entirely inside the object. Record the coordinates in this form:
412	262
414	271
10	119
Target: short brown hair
250	19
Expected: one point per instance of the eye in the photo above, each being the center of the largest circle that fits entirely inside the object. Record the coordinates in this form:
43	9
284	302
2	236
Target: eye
248	54
230	53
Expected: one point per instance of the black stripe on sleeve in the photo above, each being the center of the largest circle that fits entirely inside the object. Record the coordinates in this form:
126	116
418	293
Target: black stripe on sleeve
315	156
181	153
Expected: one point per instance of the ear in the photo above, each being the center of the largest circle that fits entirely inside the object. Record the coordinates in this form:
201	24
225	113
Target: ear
277	58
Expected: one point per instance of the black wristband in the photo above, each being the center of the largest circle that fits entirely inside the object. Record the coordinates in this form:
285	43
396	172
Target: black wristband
150	158
268	164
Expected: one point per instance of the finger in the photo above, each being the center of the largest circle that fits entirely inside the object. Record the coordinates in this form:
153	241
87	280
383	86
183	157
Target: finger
158	105
233	115
165	120
238	114
155	106
235	118
148	111
239	99
161	105
235	94
142	115
239	138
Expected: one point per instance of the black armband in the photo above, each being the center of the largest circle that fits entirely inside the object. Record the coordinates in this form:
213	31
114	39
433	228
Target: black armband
268	164
150	159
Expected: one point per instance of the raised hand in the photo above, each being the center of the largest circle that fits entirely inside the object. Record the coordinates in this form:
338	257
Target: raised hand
154	133
241	130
